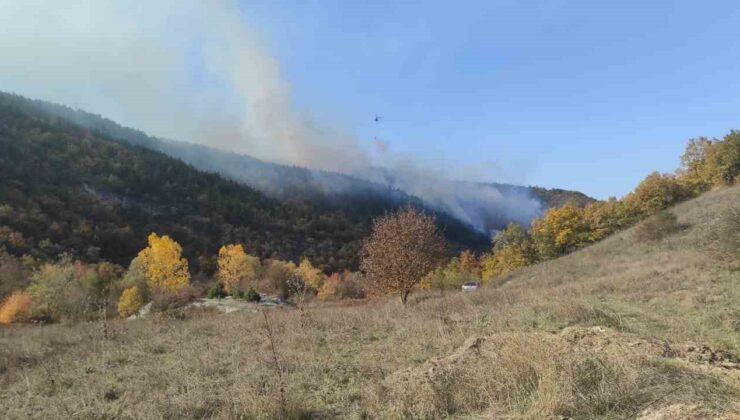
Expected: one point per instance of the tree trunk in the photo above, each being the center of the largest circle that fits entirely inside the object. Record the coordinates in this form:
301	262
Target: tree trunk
405	296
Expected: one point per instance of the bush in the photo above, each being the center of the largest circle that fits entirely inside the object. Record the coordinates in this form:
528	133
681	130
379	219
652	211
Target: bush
329	288
353	287
66	291
168	301
282	276
252	295
132	299
15	308
657	227
216	291
450	276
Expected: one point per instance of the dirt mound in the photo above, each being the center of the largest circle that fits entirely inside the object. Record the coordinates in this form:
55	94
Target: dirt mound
499	371
607	339
705	355
581	341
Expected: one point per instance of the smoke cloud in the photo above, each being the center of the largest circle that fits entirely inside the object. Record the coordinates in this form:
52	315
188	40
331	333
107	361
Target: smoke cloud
195	71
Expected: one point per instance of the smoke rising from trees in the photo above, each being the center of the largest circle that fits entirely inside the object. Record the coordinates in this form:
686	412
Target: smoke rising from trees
196	71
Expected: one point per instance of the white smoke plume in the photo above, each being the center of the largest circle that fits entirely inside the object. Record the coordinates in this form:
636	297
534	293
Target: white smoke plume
195	71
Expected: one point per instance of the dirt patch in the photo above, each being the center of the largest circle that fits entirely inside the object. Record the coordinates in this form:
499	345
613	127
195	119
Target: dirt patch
608	339
705	355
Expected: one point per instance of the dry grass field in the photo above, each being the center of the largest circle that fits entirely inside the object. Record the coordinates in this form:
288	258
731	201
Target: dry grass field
621	329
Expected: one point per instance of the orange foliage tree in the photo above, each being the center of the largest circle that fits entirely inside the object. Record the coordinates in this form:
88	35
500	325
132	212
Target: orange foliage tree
402	248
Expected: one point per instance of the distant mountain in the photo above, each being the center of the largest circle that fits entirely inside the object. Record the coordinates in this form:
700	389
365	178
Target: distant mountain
322	188
71	188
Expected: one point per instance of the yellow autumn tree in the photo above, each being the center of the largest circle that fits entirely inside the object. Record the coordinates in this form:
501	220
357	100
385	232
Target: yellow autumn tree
312	277
507	259
656	192
166	270
560	230
695	171
330	286
512	250
707	163
236	268
606	217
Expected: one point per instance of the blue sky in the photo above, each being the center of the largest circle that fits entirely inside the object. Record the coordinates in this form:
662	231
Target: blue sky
586	95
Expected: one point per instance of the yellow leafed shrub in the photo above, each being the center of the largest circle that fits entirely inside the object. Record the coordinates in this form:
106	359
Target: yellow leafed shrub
15	308
131	301
330	286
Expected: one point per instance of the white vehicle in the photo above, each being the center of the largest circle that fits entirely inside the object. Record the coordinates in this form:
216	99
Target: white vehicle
470	286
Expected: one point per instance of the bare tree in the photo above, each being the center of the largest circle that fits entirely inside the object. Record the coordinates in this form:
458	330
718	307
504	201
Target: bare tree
403	247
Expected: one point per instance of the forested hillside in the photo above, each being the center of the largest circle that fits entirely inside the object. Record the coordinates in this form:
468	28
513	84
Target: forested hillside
322	188
67	189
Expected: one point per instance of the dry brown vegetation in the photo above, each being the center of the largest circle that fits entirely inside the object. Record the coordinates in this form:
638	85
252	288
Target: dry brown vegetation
616	330
403	248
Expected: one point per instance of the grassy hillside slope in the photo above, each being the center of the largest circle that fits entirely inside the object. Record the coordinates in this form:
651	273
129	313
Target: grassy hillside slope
620	329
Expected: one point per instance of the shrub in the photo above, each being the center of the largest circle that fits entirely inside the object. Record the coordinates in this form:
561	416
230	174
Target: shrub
216	291
312	277
352	287
330	286
165	301
66	291
282	276
450	276
252	295
132	299
657	227
15	308
347	285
